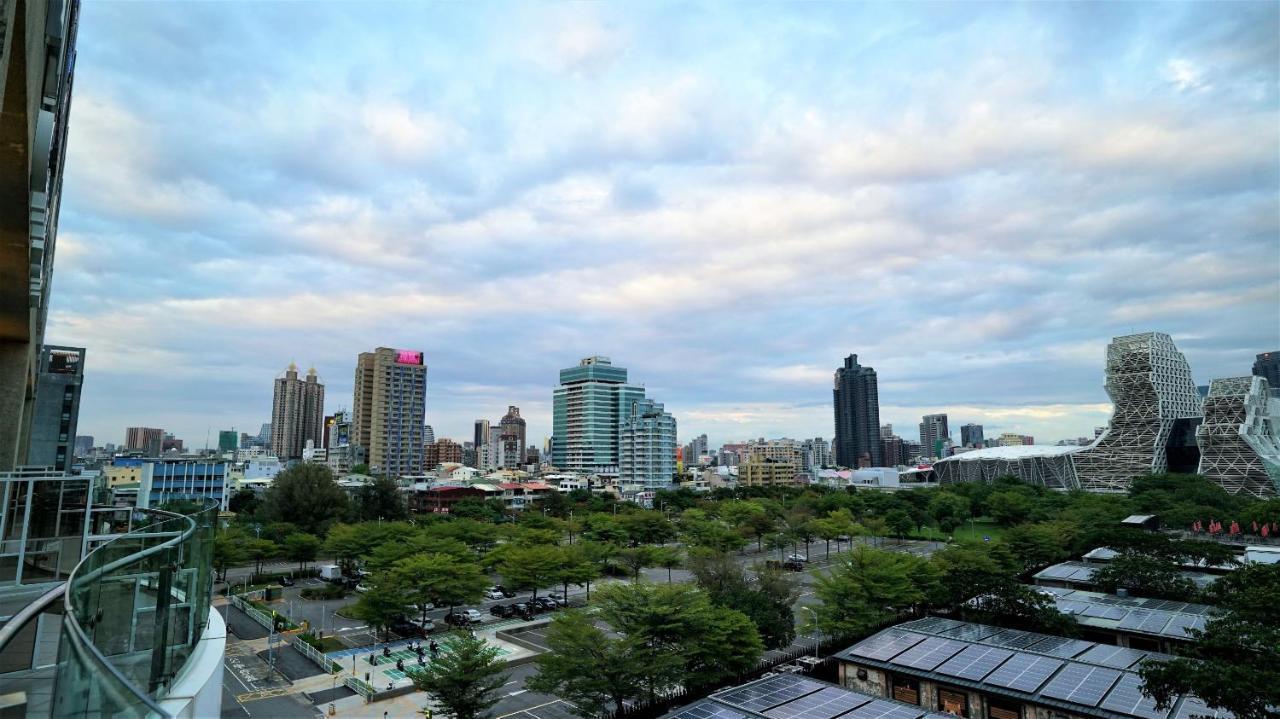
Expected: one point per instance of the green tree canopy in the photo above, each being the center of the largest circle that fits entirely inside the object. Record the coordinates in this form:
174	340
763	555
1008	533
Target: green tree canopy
302	548
306	495
595	671
381	499
868	587
1234	663
464	679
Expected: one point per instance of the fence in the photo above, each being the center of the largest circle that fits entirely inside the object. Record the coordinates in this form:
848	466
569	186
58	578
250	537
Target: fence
359	686
253	612
315	655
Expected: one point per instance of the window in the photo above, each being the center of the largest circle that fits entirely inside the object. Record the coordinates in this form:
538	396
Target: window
953	702
998	709
906	689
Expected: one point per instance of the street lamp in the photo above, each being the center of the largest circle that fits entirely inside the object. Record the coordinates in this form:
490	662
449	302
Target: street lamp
816	633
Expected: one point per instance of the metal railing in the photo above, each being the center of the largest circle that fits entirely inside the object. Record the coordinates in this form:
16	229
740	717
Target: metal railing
135	609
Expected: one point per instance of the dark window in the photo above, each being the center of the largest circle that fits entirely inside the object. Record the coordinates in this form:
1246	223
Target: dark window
905	689
953	702
999	709
1152	645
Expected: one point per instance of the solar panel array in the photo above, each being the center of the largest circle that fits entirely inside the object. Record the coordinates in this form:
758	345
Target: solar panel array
1081	684
1060	668
1070	571
770	692
707	710
1162	617
822	704
1127	698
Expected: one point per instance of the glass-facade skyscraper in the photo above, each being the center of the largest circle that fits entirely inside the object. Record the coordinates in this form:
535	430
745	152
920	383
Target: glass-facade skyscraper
646	447
587	413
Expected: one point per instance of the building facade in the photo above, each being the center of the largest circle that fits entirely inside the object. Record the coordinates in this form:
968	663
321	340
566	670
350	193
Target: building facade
934	434
1155	403
511	436
1267	366
587	413
147	440
388	409
38	59
1239	446
297	413
163	482
971	435
57	407
759	471
856	400
480	442
228	441
647	448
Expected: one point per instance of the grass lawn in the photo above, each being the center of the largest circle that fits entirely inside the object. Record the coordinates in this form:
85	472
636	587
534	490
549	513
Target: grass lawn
981	528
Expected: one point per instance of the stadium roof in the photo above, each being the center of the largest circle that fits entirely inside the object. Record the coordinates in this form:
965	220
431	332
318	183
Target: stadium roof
1135	615
787	696
1017	451
1081	677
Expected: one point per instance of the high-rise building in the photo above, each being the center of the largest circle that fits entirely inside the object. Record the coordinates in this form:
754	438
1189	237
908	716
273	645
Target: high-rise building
1013	439
341	455
816	454
493	456
429	434
38	60
1267	366
646	447
480	443
448	451
857	414
148	440
696	450
57	407
511	435
971	435
758	471
264	435
227	441
297	413
587	412
894	450
84	445
388	406
886	431
170	443
934	434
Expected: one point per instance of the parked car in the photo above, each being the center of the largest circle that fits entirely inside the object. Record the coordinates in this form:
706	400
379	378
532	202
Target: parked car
547	603
494	593
406	628
561	598
362	587
473	615
424	627
286	581
797	558
464	617
522	610
793	565
500	610
505	592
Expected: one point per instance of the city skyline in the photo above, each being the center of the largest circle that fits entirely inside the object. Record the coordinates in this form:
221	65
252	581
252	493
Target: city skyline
598	206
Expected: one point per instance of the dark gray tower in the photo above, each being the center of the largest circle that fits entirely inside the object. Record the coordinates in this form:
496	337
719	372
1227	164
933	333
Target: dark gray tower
1267	366
857	409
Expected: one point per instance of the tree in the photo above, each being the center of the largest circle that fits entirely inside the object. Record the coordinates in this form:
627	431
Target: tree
868	587
766	602
529	567
712	643
244	501
577	566
381	499
301	548
966	570
258	550
1008	603
1145	576
382	605
900	522
464	679
592	669
1039	544
306	495
437	579
1234	662
228	550
949	510
647	527
1010	506
636	559
668	558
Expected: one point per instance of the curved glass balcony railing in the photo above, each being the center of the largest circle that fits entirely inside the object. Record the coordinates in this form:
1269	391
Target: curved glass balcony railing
135	609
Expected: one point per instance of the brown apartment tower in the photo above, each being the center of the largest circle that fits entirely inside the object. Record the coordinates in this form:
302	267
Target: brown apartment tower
297	413
388	410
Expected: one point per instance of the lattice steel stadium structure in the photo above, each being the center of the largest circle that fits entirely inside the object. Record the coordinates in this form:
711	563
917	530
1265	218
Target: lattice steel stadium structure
1239	448
1158	425
1150	385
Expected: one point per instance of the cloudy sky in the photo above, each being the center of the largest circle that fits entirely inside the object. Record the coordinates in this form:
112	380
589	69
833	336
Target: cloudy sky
724	198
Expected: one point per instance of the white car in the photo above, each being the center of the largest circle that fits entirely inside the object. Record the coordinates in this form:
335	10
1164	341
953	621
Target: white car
362	587
493	594
797	558
473	615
